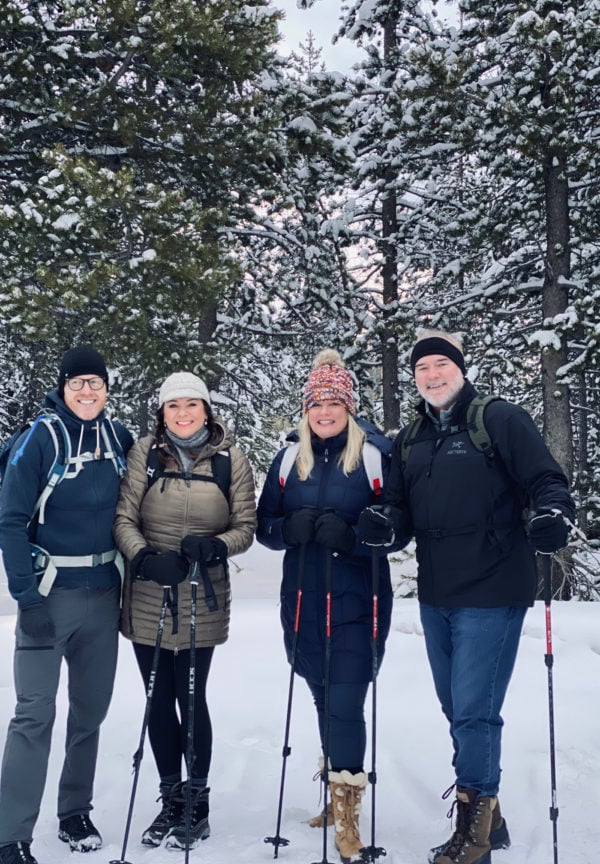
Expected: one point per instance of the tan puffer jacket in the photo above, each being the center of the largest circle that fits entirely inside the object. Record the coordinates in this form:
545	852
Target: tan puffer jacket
171	509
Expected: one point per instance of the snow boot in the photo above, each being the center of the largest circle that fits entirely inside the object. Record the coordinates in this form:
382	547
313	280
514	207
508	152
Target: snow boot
171	814
317	821
499	836
199	827
346	793
16	853
470	843
80	833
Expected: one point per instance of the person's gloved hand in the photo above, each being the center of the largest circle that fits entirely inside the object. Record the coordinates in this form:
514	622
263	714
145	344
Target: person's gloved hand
548	531
165	568
375	527
298	527
204	550
137	562
35	621
334	532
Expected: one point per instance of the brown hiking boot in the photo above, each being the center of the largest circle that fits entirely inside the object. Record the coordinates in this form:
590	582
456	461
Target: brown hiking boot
346	793
470	843
499	836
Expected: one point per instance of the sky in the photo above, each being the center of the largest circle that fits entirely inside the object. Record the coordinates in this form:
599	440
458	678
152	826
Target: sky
248	689
323	19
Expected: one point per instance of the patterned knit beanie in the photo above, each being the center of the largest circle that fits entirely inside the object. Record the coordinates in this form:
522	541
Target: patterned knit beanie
329	381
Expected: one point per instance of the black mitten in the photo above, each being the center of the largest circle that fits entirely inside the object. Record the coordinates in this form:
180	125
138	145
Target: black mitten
334	533
204	550
298	527
167	568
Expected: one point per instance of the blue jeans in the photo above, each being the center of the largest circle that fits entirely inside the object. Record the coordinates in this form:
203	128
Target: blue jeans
472	653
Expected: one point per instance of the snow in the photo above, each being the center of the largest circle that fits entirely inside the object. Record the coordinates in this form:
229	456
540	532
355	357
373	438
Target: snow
248	696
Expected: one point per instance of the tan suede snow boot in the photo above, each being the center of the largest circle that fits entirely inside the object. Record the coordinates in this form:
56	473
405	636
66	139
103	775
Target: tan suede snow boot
346	794
470	843
317	821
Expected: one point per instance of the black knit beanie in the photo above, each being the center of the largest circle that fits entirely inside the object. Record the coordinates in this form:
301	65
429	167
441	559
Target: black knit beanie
437	345
84	360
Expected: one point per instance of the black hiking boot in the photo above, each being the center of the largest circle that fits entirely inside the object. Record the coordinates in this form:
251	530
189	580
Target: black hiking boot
170	815
16	853
199	829
80	833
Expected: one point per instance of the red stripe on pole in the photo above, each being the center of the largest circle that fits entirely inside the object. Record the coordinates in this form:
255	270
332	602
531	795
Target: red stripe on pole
328	615
548	631
298	602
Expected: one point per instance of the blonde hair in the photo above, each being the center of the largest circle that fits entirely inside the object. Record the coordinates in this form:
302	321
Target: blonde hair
452	338
349	457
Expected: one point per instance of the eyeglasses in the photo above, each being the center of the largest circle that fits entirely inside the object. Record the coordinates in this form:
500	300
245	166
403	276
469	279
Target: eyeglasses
77	383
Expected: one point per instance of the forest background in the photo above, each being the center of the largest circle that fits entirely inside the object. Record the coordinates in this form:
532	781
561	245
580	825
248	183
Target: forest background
181	193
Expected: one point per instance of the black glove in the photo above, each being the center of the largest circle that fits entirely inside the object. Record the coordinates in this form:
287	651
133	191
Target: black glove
298	527
548	531
165	568
137	562
334	532
204	550
36	622
375	527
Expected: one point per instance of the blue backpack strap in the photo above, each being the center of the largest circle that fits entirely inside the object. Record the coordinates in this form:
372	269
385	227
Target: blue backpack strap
62	455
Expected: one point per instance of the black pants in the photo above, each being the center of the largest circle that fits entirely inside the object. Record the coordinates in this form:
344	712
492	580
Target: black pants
167	726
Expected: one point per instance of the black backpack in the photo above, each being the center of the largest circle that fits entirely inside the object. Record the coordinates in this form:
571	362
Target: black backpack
220	463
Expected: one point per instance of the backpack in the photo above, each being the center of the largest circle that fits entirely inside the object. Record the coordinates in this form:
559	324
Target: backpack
220	463
371	460
480	437
10	454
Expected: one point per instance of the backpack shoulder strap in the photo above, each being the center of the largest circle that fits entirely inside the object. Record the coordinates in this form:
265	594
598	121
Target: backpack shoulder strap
478	433
373	467
409	438
289	457
221	469
220	464
62	455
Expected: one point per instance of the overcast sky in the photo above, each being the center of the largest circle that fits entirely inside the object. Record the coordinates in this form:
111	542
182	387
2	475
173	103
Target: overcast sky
323	19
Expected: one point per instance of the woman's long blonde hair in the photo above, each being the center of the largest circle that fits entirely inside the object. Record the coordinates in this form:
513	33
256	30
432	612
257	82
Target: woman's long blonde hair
352	452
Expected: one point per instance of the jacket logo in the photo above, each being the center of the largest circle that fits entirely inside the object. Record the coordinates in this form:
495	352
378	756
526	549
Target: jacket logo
457	448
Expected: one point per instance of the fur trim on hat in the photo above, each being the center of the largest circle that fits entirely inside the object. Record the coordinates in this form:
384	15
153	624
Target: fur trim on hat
183	385
329	382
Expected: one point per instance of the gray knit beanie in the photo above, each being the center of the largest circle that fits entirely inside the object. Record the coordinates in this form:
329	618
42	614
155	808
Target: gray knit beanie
183	385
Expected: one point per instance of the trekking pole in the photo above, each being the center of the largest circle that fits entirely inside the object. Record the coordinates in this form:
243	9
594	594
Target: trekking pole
549	660
189	750
328	581
372	852
277	840
137	756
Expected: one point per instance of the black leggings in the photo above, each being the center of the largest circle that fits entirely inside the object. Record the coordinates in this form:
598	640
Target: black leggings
167	729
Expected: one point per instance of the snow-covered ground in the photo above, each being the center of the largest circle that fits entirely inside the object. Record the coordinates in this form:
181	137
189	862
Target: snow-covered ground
248	695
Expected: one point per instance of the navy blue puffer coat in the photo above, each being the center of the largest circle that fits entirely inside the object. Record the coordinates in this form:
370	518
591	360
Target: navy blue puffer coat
352	588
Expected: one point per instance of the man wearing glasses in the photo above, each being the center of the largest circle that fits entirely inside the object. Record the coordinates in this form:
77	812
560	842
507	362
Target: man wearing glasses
63	571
